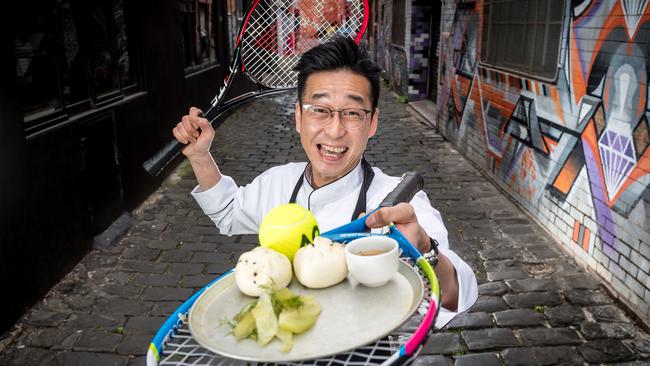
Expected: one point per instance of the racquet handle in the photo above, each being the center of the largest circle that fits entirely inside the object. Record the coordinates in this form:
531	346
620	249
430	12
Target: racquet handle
214	113
410	184
164	156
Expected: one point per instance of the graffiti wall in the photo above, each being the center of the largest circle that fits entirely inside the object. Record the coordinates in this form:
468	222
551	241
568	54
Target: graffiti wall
391	58
574	150
407	72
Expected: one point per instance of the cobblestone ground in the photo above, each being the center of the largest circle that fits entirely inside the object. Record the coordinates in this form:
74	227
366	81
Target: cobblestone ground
536	307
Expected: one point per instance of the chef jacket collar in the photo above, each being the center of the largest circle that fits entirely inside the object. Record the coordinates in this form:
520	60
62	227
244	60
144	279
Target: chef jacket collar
333	191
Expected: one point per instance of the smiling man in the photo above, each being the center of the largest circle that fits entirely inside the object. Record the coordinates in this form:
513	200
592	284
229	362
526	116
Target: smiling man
336	113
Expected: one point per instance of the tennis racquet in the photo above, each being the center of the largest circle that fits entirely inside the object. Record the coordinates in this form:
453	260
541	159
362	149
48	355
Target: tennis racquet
174	345
271	39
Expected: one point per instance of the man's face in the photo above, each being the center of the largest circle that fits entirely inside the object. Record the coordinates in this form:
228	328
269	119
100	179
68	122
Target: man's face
333	149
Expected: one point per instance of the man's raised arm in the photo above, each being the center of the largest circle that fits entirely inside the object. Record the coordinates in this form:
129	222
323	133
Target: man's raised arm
197	133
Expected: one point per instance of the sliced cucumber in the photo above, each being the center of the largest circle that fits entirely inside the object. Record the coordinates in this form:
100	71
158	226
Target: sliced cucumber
245	326
265	319
299	320
286	338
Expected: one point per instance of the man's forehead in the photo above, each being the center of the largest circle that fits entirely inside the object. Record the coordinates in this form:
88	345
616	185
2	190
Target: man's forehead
323	84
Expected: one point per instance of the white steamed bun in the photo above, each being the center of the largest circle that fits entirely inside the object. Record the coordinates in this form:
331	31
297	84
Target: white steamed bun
321	264
262	267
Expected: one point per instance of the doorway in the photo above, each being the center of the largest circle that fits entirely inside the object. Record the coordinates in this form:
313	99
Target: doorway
434	51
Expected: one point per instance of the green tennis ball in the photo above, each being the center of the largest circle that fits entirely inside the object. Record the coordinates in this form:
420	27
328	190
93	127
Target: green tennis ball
288	227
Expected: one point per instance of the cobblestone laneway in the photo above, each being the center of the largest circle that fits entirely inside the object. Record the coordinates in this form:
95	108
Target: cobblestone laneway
536	307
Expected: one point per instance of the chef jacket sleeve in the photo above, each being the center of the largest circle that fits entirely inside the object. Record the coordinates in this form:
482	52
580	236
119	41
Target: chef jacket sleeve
431	221
237	210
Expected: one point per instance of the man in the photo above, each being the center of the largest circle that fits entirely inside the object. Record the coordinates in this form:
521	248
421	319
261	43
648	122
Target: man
336	114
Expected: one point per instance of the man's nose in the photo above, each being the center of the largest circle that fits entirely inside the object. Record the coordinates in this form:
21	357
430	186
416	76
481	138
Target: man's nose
335	128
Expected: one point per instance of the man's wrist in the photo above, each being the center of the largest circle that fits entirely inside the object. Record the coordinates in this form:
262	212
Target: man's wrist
432	256
206	170
199	157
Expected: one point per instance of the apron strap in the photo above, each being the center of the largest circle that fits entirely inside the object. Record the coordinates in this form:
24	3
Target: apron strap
368	175
297	188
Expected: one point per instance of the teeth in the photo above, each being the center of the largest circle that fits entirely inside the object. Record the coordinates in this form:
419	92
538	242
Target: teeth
333	150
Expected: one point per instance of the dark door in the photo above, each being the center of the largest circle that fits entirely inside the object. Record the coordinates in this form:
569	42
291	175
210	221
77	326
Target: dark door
434	51
101	172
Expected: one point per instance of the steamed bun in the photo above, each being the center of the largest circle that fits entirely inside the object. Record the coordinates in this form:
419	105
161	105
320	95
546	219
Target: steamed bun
321	264
262	267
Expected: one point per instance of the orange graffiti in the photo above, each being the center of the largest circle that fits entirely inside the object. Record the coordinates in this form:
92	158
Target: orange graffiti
577	77
585	240
559	112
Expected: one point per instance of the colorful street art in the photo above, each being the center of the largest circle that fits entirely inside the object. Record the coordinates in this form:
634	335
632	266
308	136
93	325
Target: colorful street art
391	58
574	151
413	55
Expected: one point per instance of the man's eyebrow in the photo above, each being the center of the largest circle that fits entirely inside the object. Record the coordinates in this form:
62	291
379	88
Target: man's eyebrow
319	95
354	97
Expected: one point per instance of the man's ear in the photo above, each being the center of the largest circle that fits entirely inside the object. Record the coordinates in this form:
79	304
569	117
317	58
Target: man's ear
298	116
373	123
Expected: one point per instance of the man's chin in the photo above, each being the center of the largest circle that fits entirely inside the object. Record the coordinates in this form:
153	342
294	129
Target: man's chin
328	172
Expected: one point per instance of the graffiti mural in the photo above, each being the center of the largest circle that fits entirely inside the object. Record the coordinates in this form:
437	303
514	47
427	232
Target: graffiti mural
463	47
392	59
406	67
574	151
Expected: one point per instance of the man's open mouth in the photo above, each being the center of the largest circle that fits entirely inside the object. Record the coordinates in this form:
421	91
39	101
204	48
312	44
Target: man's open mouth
332	152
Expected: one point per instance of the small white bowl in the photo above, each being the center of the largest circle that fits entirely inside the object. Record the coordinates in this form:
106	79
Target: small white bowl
368	267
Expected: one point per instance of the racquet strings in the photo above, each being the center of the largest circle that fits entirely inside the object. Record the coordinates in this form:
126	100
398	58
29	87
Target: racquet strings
278	32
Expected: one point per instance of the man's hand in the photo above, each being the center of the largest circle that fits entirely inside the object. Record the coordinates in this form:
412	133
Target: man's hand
196	132
403	216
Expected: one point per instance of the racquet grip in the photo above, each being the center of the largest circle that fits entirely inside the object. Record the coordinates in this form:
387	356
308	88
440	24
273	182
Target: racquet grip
410	184
164	156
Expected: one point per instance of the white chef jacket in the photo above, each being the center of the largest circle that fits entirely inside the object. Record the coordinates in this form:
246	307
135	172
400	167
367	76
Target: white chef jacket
240	210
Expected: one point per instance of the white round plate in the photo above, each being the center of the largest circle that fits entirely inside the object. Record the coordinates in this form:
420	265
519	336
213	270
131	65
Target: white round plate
353	315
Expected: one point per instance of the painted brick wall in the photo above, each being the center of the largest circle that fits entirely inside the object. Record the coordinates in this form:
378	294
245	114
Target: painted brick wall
574	152
407	72
419	43
391	58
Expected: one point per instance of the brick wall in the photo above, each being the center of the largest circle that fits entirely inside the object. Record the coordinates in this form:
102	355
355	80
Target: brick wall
573	151
419	43
407	72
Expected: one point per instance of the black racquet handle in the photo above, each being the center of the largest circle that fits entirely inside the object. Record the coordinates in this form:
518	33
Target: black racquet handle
410	184
164	156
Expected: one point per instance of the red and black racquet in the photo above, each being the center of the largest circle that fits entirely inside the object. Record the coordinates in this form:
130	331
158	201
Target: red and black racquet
273	36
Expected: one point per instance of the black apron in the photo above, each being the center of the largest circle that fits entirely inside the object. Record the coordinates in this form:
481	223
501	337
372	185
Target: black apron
368	175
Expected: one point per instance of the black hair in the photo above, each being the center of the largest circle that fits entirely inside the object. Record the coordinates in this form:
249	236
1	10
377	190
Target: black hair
340	53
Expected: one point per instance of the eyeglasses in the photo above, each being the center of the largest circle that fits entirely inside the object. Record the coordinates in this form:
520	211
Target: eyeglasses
351	118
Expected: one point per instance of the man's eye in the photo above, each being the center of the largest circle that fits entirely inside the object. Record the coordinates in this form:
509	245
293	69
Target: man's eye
319	110
353	113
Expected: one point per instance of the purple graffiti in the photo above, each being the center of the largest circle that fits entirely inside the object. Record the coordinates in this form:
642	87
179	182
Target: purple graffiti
604	217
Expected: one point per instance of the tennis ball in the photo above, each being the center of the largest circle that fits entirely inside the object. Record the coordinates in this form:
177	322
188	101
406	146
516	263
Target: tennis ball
288	227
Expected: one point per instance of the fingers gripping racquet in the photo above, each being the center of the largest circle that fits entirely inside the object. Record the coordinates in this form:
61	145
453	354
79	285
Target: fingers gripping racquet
272	37
174	345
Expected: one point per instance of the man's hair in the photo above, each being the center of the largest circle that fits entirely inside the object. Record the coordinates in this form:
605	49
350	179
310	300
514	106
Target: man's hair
340	53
